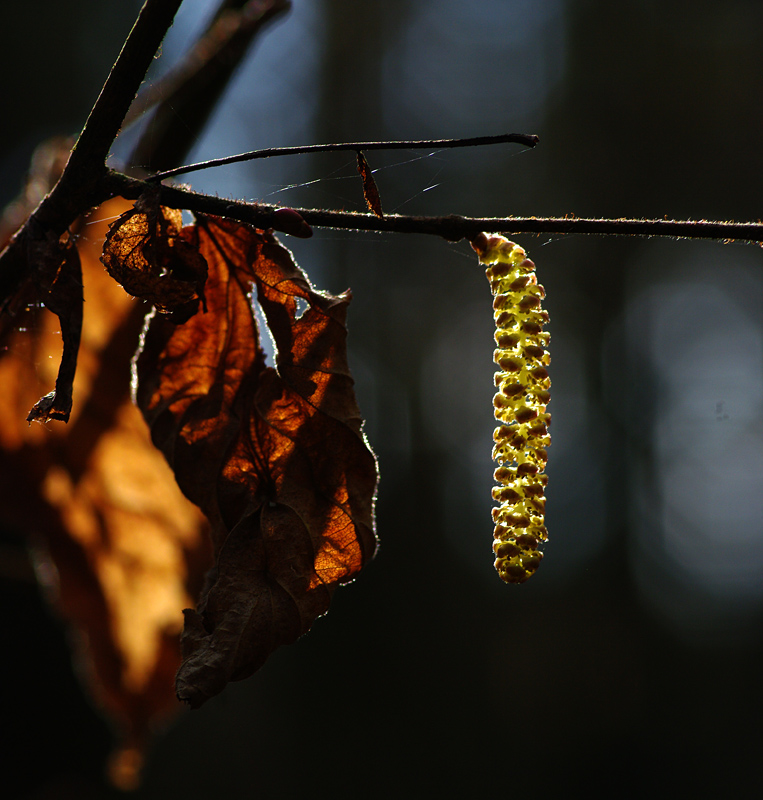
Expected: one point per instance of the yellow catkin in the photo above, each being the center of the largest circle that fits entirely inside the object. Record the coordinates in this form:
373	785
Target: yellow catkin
522	381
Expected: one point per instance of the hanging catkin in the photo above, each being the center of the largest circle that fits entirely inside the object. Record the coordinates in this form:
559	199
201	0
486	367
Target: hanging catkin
522	436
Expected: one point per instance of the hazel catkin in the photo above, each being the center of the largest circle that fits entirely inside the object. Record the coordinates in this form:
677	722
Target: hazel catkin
522	436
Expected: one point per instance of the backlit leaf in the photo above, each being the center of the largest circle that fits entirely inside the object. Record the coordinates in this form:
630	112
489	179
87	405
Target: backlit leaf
276	458
146	254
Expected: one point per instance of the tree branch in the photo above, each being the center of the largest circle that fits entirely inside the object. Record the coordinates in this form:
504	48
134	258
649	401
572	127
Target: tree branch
452	227
105	119
79	184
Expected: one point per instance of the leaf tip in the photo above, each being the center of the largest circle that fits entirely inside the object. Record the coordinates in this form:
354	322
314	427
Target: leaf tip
49	407
196	680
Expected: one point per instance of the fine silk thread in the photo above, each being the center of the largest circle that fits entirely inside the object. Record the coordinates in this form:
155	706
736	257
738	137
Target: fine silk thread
520	403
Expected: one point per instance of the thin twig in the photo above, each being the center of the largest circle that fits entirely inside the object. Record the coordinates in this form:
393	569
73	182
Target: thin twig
452	227
529	140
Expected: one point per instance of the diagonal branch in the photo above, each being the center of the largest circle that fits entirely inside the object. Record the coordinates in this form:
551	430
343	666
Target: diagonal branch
77	188
105	119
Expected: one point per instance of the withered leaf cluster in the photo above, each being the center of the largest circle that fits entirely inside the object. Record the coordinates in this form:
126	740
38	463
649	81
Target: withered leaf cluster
246	499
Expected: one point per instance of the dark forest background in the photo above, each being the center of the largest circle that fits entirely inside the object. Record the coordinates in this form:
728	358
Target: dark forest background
630	665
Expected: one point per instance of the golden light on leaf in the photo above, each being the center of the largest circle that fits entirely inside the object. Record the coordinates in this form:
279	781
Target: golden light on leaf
145	253
120	549
520	406
134	524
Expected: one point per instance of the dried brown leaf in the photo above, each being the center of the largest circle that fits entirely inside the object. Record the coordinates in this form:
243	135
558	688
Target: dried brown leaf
276	458
146	254
119	548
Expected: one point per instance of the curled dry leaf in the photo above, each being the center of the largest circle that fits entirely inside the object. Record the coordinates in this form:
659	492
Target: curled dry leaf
118	547
146	253
276	458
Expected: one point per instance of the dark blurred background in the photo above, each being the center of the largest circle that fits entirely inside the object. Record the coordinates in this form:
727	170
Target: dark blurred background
629	666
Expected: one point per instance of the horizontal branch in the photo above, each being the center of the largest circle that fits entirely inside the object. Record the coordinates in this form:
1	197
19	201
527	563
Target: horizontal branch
451	227
527	139
454	227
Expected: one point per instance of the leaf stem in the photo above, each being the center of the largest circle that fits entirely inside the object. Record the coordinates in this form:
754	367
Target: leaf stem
529	140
